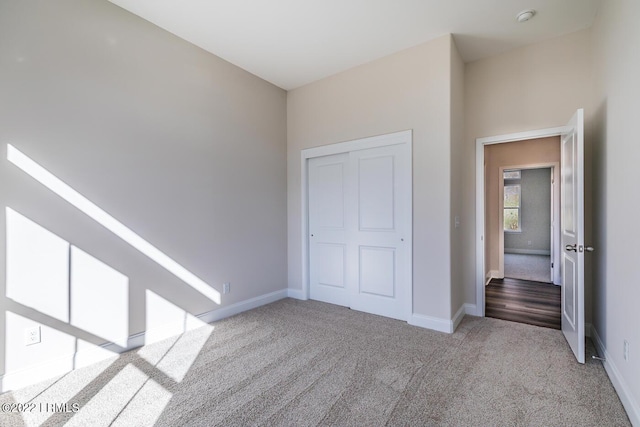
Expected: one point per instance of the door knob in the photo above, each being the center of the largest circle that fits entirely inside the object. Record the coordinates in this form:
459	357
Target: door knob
571	248
589	249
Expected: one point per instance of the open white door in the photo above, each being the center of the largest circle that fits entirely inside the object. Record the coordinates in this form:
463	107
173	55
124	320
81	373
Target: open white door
572	225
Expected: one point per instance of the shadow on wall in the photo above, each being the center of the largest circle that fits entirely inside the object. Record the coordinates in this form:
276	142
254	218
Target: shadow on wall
63	302
599	185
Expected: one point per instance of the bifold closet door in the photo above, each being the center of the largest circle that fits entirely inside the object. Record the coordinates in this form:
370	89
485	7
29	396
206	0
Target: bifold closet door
358	204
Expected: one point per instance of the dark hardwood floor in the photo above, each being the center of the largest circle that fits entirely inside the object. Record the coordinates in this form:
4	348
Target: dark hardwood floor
523	301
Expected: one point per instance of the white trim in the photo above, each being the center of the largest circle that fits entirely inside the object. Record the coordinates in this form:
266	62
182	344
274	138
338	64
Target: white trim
134	341
480	205
138	340
359	144
443	325
622	388
470	309
242	306
52	368
297	294
522	136
63	364
457	318
493	274
555	215
527	251
434	323
396	138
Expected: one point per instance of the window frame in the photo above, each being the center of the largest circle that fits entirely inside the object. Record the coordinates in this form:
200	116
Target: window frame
511	178
518	208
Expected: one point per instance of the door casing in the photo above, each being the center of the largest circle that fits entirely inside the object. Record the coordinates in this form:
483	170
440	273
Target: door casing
480	198
555	216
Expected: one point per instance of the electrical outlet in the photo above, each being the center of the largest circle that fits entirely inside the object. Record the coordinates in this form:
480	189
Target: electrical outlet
456	221
625	350
32	335
226	288
529	242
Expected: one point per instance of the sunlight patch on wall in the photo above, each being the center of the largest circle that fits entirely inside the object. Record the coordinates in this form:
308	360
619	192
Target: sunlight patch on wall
99	298
165	319
63	190
45	273
37	267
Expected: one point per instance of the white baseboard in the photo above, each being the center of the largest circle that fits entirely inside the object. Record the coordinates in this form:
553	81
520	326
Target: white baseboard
526	251
239	307
81	358
492	274
297	294
443	325
630	405
464	309
139	339
457	318
428	322
471	309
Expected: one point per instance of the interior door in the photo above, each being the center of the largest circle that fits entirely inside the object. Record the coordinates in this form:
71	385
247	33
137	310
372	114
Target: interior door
328	225
380	186
572	226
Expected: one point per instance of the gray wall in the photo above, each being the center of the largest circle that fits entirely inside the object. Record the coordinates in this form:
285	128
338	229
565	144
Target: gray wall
535	207
182	147
616	155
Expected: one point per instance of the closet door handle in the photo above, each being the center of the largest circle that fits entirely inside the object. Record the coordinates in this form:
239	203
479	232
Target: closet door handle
570	248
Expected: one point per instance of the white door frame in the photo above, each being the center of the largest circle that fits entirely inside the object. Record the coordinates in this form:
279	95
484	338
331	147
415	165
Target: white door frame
555	215
480	198
402	137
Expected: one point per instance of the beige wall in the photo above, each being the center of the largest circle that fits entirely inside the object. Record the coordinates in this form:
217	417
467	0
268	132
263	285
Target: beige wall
534	87
462	161
615	164
407	90
182	147
534	151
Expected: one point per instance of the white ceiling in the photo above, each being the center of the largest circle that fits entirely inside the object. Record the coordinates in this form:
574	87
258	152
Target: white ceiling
294	42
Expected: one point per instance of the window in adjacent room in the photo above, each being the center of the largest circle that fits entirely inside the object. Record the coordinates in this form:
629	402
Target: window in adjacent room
512	212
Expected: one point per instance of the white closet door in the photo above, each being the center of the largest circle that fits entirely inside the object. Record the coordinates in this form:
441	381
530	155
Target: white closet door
381	180
328	229
359	230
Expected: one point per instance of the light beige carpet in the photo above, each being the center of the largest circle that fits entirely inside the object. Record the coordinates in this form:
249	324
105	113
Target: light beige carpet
300	363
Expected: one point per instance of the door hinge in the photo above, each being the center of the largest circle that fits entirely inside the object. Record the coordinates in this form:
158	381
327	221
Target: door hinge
551	265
